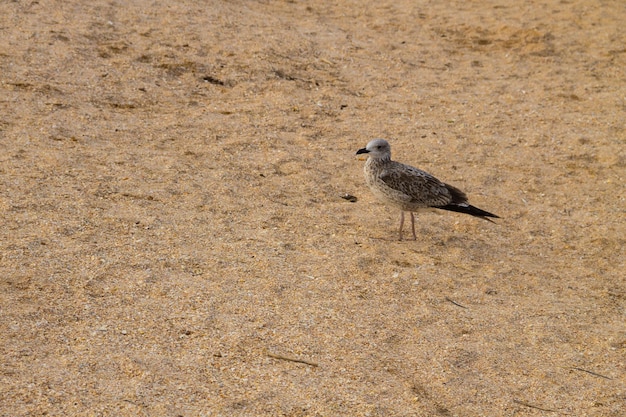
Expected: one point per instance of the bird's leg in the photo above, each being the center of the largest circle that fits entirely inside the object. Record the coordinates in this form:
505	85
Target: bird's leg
413	225
401	223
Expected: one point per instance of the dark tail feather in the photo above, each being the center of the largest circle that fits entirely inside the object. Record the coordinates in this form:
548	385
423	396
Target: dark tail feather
471	210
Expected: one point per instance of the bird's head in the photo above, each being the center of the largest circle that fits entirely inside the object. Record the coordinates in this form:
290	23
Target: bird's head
377	149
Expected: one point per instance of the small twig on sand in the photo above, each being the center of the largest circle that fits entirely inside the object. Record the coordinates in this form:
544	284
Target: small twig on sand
455	303
287	358
592	373
533	406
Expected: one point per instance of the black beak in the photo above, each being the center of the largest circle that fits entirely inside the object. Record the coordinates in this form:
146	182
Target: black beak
360	151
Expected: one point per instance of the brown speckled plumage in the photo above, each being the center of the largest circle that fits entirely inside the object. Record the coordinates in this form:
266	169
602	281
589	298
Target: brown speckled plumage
411	189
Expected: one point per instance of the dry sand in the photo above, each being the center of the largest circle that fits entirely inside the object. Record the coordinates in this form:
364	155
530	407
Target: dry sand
173	230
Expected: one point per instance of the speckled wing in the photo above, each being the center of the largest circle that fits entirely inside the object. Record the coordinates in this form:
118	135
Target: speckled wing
420	186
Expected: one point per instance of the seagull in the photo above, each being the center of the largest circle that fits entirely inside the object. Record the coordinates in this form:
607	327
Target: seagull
411	189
